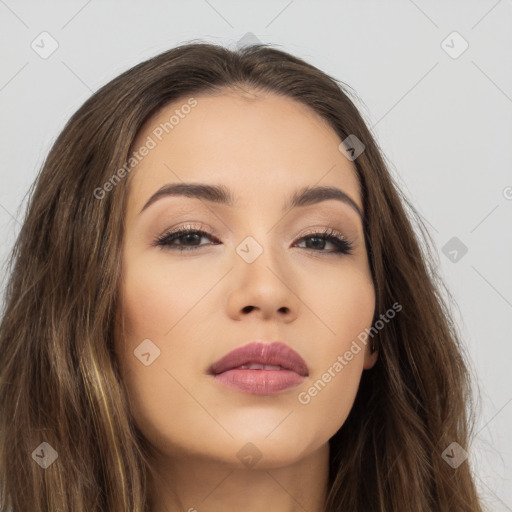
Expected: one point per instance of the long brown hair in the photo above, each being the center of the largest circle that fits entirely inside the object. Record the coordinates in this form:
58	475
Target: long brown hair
59	379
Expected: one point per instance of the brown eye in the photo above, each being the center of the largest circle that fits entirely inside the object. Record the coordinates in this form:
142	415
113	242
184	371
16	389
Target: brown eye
343	246
188	238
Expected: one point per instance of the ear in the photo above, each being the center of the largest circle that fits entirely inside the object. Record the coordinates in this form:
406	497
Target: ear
370	358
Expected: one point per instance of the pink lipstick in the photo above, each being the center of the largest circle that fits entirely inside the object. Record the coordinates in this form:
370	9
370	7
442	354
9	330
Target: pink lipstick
260	368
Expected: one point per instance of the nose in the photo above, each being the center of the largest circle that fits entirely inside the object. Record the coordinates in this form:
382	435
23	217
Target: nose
263	288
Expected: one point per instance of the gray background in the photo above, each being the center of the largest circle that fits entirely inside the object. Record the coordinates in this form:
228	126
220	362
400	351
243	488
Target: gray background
444	122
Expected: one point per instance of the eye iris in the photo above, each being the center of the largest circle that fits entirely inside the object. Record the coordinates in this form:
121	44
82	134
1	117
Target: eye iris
190	237
318	239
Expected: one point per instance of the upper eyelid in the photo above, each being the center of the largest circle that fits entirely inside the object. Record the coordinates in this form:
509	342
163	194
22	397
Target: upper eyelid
212	232
325	231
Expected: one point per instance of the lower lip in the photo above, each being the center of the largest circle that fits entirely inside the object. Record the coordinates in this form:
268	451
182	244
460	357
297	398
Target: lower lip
259	382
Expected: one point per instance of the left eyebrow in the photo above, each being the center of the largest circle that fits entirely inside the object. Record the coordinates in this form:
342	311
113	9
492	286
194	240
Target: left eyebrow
220	194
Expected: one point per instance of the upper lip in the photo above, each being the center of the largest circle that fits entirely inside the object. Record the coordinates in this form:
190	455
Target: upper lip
275	353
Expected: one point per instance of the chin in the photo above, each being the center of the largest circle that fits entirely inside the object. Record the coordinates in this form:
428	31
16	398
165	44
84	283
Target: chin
257	449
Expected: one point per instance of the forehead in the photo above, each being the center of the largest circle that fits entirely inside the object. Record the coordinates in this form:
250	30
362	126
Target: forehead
259	145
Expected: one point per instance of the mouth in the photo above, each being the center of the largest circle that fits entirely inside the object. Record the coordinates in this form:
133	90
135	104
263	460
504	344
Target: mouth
260	368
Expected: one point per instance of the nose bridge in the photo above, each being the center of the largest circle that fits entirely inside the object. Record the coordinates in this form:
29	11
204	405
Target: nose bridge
259	246
259	243
257	252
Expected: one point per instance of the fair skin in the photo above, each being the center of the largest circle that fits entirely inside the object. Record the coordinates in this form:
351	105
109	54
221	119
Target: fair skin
193	305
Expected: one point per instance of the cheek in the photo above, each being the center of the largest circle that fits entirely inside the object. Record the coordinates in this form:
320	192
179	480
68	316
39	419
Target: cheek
344	305
156	297
158	305
348	307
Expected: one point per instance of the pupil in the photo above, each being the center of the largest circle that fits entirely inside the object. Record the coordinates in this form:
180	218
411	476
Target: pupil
316	239
191	235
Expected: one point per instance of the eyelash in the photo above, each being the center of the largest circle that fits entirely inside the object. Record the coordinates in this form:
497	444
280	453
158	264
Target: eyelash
329	235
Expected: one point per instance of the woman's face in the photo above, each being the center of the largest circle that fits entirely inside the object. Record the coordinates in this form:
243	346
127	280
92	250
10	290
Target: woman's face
255	276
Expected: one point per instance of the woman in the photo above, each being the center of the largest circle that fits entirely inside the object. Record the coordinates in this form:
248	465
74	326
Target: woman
302	358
